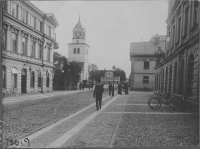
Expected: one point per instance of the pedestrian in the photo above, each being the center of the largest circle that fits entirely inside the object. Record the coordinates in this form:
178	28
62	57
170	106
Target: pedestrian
98	91
120	88
126	88
89	85
83	86
110	87
80	85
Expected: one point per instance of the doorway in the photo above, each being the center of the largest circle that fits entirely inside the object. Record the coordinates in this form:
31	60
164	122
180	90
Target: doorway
23	80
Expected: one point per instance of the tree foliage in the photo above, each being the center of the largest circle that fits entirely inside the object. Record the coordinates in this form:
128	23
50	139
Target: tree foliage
66	73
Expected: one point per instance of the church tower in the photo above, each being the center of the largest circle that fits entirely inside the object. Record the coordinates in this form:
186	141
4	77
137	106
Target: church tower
78	50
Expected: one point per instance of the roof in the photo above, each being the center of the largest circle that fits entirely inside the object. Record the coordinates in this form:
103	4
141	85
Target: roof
161	38
80	64
52	17
143	48
79	25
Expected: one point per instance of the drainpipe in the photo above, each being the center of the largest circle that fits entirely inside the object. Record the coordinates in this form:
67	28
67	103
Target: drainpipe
1	30
42	52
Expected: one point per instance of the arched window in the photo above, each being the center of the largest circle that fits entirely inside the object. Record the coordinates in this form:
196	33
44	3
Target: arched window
14	77
47	79
39	79
32	83
175	78
190	74
3	76
181	79
74	50
170	79
155	81
162	80
166	80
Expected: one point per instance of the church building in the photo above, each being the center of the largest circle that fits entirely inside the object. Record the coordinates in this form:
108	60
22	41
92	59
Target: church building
78	50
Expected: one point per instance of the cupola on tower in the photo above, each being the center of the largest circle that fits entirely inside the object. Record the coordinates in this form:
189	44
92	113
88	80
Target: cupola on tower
78	50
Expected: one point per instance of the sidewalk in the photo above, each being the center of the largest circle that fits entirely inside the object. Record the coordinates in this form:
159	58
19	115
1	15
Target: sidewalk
12	99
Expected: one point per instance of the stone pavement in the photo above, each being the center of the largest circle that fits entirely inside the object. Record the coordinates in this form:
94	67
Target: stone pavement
124	121
13	99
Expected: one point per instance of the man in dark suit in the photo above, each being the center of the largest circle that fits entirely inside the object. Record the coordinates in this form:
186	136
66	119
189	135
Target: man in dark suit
110	87
98	91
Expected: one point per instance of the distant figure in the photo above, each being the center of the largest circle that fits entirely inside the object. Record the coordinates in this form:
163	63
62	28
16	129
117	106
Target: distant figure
83	86
126	88
120	88
98	91
110	87
80	85
89	85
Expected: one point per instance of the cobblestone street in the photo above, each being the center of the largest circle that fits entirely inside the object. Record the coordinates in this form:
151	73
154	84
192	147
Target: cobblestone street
124	121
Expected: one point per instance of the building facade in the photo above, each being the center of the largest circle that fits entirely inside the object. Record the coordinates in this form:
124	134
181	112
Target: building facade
108	78
28	45
177	71
143	62
78	50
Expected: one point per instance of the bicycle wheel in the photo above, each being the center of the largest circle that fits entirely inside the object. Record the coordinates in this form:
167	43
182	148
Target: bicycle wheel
154	103
150	99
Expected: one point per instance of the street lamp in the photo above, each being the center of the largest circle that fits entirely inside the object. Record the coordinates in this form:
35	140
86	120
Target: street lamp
113	80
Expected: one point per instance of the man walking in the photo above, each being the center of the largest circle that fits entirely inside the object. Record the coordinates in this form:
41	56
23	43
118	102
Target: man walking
80	85
98	91
110	88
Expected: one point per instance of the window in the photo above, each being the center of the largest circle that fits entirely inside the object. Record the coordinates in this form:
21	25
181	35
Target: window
17	10
74	50
14	77
190	76
186	20
181	78
26	17
4	38
47	79
175	78
14	9
145	79
173	38
48	54
78	51
195	18
32	21
22	15
179	28
5	3
40	26
146	65
48	30
33	49
40	51
87	51
14	42
32	83
3	76
166	80
39	79
24	45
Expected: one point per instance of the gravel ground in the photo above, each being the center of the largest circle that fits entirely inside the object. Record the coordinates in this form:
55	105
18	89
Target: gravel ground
29	116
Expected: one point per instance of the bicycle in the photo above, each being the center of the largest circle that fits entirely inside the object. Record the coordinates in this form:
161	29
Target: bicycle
156	102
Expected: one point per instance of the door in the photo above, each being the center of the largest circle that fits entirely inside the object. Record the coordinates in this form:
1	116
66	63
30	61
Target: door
23	80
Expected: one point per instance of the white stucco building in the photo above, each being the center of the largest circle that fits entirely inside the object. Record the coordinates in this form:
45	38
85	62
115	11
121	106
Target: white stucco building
78	50
28	46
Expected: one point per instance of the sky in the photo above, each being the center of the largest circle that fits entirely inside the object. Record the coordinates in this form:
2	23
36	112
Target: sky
110	27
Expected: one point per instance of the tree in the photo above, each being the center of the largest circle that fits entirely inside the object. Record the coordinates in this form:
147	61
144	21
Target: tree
66	73
93	71
121	73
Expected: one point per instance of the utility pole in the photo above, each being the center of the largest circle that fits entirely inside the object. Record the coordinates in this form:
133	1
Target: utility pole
1	41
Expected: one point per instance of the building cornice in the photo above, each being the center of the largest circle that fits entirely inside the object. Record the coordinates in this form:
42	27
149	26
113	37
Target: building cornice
78	44
142	55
